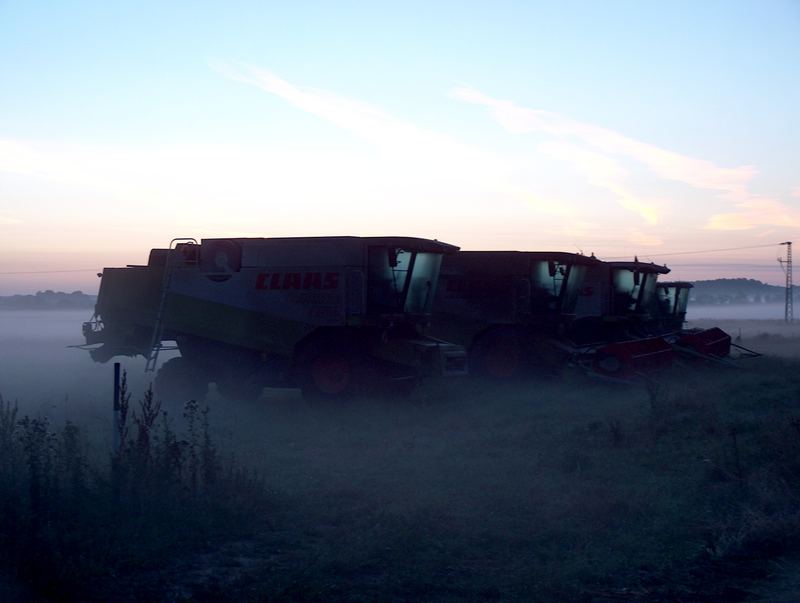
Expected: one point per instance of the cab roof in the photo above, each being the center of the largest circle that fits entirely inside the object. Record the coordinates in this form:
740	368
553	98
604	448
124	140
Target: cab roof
558	256
416	243
639	267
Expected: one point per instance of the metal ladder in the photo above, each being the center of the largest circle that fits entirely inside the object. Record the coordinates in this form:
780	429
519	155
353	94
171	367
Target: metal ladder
158	328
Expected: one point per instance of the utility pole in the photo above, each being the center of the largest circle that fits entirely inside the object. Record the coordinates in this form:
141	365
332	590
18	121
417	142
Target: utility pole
787	268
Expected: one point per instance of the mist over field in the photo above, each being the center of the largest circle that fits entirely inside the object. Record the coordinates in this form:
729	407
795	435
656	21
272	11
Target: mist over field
567	489
40	370
751	311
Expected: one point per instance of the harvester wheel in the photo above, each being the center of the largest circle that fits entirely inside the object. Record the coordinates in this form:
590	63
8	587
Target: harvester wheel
178	379
329	372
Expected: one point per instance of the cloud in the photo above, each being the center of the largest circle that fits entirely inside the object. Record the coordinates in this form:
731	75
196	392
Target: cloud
666	164
445	154
8	220
400	138
730	184
606	173
754	212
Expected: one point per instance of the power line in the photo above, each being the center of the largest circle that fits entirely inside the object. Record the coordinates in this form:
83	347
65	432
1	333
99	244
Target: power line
764	266
656	255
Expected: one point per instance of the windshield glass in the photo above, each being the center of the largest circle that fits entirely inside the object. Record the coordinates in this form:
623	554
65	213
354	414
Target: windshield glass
634	291
573	287
421	287
683	300
553	281
627	285
648	291
547	278
666	300
402	281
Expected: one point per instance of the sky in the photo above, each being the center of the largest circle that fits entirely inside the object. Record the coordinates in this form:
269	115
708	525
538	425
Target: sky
616	128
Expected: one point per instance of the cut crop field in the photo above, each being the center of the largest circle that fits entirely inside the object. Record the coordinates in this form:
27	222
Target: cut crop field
683	489
559	491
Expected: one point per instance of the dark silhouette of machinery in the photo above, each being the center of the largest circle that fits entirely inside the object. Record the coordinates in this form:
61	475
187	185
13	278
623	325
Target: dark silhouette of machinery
331	315
536	312
510	309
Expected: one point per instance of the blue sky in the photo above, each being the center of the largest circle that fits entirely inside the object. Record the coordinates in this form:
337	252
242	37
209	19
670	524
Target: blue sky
616	127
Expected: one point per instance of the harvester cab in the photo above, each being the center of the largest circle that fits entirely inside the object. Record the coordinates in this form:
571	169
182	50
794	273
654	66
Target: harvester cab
617	300
331	315
669	308
508	307
613	318
669	317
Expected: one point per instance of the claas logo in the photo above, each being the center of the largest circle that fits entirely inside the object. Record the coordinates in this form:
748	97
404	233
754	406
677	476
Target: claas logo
297	280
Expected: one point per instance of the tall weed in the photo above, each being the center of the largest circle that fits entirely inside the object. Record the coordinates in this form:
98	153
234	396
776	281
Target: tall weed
67	524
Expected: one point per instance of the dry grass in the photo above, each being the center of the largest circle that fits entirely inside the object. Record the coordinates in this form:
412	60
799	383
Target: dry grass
69	527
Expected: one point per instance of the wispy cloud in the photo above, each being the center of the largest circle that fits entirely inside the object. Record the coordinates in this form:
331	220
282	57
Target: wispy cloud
444	153
395	135
592	149
606	173
666	164
756	211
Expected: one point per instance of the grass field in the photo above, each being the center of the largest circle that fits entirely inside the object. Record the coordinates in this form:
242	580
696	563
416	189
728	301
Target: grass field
568	490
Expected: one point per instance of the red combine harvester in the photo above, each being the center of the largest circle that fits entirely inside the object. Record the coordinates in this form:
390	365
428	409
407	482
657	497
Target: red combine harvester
669	317
611	317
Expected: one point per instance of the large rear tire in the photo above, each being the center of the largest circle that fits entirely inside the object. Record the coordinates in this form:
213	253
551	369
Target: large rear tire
330	372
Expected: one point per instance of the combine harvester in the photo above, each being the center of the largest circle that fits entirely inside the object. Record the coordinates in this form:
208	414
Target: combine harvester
609	317
645	320
669	316
536	312
333	316
510	309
